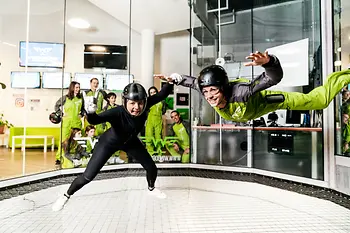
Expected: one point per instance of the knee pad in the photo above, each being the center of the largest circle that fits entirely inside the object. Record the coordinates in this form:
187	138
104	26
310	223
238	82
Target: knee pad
274	98
82	180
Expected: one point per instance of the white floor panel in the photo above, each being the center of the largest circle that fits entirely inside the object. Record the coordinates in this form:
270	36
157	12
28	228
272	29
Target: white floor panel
193	205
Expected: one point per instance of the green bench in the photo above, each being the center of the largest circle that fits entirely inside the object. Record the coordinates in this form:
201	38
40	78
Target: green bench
36	137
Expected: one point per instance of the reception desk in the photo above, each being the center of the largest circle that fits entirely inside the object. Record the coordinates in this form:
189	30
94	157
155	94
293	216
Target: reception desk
300	152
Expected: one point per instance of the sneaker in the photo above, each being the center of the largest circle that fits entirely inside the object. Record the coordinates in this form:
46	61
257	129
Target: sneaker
59	204
157	193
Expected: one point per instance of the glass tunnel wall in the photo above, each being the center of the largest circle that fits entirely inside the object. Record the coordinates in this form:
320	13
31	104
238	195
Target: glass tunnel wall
283	141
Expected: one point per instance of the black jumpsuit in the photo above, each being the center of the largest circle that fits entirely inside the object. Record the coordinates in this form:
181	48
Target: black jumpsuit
121	136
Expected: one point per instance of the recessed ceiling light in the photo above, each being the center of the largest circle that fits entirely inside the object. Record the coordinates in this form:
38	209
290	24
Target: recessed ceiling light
78	23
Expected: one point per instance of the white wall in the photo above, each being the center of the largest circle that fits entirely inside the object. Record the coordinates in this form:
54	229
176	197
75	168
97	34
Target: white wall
48	27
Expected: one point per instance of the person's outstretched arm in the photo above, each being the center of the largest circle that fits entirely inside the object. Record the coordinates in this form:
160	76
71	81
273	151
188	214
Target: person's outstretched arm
273	75
106	116
241	91
182	80
90	108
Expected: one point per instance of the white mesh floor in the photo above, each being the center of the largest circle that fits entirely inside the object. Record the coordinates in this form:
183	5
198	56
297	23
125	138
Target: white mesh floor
193	205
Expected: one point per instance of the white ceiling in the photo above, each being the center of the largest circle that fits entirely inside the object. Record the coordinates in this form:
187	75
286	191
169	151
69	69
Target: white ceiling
162	16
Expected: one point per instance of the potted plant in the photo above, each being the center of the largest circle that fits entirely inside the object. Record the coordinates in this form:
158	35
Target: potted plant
4	123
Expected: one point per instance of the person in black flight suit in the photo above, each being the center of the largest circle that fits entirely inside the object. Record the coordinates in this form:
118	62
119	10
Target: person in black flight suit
127	121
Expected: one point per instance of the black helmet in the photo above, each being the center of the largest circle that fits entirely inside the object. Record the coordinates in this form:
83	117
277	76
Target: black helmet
213	75
55	117
136	92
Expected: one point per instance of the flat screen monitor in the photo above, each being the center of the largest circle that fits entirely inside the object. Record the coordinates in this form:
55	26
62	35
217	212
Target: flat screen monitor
41	54
22	79
294	116
84	80
107	56
117	82
182	99
53	80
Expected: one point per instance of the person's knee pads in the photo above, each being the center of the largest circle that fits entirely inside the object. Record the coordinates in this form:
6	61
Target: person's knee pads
83	179
274	98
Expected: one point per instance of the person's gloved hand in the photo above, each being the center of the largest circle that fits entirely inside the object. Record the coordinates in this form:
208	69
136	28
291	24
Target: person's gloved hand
177	78
89	105
173	78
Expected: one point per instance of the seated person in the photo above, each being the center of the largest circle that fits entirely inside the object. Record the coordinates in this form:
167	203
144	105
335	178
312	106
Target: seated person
180	130
73	154
346	134
90	133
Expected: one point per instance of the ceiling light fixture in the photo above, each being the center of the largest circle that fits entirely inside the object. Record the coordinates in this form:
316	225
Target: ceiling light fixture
78	23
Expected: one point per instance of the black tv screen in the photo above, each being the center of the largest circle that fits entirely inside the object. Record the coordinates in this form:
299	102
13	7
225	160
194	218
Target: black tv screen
105	56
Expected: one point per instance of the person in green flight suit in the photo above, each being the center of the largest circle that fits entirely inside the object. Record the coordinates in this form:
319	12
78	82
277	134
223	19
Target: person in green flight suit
111	99
71	106
242	100
345	134
154	124
73	154
99	96
181	130
90	133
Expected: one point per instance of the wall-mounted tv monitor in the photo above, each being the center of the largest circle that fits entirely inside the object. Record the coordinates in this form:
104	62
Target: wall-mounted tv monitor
182	99
54	80
41	54
22	79
117	82
84	80
106	56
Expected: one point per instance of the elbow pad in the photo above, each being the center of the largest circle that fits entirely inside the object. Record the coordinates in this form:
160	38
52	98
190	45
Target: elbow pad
274	98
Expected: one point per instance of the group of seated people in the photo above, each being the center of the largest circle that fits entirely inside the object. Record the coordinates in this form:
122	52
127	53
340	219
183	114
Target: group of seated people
76	150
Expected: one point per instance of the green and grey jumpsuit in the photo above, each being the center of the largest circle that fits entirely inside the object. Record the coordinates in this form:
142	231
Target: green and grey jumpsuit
72	112
75	153
181	132
250	100
154	127
100	95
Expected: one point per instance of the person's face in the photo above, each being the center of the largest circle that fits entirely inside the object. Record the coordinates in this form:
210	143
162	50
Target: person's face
213	95
135	107
346	95
345	118
76	89
91	133
94	84
112	99
152	91
77	134
175	117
